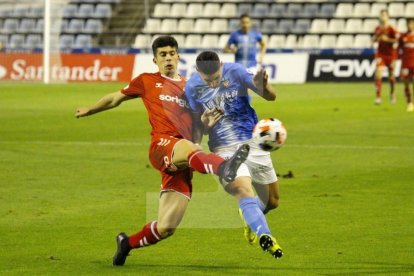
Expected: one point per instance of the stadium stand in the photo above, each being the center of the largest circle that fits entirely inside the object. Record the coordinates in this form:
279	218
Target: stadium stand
285	23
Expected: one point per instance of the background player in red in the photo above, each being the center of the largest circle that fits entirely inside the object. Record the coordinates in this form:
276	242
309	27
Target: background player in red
406	47
386	54
171	151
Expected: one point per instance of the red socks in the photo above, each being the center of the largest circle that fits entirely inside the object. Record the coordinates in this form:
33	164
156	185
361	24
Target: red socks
204	163
147	236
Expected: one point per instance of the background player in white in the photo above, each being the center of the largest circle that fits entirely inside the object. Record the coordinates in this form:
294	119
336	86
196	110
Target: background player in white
218	96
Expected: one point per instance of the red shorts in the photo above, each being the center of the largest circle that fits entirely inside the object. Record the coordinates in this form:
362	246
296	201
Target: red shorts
382	60
160	155
407	73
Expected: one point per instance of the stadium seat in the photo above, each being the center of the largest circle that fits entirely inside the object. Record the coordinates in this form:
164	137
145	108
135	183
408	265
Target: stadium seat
362	10
362	41
185	25
83	41
60	26
291	41
327	10
344	10
6	10
152	25
75	26
10	25
33	41
228	10
244	8
277	10
369	25
85	11
402	25
4	41
276	41
20	11
210	41
223	40
310	41
39	26
168	26
285	26
36	11
27	25
319	26
193	41
234	24
376	8
336	25
103	11
178	10
327	41
194	10
16	41
268	25
310	10
353	25
211	10
162	10
70	11
142	41
260	10
293	10
218	25
301	26
93	26
202	26
396	9
345	41
409	10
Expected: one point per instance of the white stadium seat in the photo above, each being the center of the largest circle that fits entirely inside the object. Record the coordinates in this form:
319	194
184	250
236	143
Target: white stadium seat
327	41
310	41
344	10
336	25
369	25
319	26
291	41
185	25
277	41
396	9
219	25
376	8
194	10
178	10
363	41
202	26
152	25
361	10
142	41
211	10
409	10
402	25
162	10
210	41
168	26
228	10
223	40
353	25
193	41
345	41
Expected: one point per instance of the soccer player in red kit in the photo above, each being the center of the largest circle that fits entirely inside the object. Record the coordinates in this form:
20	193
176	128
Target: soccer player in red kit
406	47
386	54
171	150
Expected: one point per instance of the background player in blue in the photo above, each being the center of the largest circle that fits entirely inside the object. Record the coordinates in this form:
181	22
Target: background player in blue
218	97
243	43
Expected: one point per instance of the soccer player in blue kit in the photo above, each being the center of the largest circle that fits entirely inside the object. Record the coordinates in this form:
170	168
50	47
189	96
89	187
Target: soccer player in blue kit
217	94
243	43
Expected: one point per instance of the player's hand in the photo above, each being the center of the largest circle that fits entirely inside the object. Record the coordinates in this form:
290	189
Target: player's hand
210	117
261	78
82	112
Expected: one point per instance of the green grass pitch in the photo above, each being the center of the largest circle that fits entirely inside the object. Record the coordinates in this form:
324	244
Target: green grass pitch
68	186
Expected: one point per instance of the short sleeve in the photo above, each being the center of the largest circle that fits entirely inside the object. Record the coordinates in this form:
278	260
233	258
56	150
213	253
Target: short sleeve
246	77
232	39
135	88
259	37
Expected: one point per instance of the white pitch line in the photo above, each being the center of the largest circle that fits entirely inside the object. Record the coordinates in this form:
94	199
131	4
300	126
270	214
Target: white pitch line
134	144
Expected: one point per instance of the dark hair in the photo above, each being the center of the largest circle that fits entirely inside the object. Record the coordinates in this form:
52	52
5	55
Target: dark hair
208	62
244	15
384	10
163	41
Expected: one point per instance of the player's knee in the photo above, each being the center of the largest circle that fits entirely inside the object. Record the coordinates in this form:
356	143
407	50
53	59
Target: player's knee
166	232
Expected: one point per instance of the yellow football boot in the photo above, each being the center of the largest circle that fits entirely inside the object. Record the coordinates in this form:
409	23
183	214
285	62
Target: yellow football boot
269	244
249	235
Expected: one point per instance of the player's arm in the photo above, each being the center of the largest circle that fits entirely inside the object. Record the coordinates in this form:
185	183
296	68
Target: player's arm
262	45
198	128
107	102
264	89
231	46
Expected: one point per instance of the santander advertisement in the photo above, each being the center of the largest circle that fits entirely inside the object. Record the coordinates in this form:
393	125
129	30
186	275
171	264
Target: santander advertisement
68	67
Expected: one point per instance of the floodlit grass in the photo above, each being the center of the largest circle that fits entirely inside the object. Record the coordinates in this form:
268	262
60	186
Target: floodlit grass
68	186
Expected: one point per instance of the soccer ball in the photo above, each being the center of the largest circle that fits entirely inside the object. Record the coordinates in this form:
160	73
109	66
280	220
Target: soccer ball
269	134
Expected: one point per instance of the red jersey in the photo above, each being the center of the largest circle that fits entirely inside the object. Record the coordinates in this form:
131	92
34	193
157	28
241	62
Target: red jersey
386	48
164	99
407	47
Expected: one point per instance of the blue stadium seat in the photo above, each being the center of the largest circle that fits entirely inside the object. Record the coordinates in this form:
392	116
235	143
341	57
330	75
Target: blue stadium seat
83	41
85	11
327	10
6	10
260	10
36	11
93	26
70	11
16	41
285	26
33	41
103	11
20	11
301	26
4	41
39	26
10	25
310	10
293	10
27	25
269	25
234	24
66	41
75	26
244	8
277	10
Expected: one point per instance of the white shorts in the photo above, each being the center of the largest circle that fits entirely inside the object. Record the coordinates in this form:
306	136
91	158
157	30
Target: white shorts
258	165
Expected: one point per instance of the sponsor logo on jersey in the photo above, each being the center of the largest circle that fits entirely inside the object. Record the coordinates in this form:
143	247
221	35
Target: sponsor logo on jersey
158	85
226	83
175	99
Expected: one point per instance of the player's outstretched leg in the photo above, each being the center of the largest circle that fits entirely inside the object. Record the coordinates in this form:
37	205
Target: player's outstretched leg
122	249
228	169
269	244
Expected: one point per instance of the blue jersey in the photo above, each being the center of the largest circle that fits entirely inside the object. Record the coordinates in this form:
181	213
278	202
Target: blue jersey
231	97
246	46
